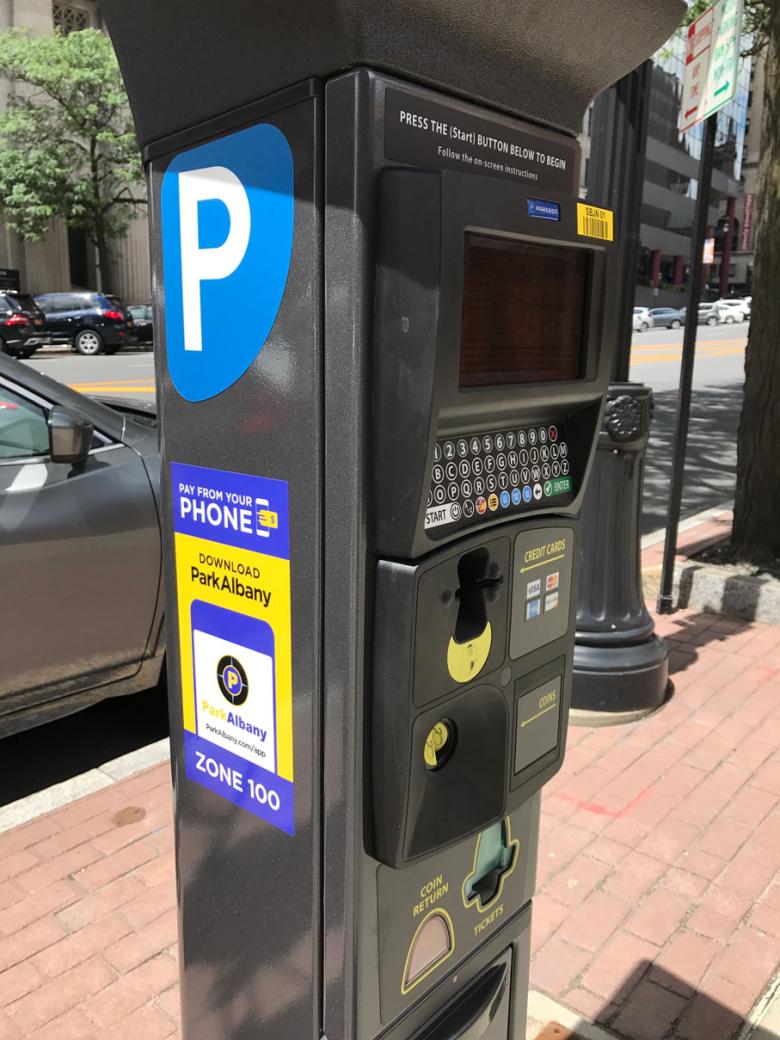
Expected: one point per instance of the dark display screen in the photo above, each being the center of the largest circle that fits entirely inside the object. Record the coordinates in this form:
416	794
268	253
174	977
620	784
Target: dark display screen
523	312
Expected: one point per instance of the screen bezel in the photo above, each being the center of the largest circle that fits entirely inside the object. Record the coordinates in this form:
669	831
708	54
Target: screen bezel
501	212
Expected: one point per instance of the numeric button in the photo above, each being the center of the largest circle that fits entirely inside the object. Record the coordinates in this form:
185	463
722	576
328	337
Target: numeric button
511	440
487	444
448	450
437	453
522	438
532	436
476	445
463	447
498	440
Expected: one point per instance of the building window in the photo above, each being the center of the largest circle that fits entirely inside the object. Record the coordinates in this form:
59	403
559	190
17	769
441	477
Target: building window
69	19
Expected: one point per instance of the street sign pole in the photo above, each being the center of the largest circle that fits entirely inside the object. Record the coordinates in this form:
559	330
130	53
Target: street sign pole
665	598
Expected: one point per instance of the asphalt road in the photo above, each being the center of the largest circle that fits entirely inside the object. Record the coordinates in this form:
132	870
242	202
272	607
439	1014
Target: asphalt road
716	404
717	399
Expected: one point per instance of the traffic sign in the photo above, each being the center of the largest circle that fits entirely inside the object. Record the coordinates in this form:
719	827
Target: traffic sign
711	62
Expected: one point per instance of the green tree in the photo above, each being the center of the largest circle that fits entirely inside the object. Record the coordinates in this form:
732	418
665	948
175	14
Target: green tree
67	142
756	532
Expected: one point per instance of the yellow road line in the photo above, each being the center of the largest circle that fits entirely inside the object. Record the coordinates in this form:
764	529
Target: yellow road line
111	388
656	358
699	343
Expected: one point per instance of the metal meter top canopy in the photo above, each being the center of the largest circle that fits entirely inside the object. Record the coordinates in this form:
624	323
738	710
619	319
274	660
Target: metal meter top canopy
185	61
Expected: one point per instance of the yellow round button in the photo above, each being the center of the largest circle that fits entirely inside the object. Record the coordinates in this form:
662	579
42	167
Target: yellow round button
438	744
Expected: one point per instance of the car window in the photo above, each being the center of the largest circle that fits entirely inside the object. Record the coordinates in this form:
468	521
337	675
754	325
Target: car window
25	300
24	431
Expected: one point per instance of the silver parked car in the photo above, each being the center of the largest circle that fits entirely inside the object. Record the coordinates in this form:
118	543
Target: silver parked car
81	609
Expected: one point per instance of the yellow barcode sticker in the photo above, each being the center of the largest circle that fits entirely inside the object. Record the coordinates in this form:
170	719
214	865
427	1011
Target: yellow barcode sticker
594	222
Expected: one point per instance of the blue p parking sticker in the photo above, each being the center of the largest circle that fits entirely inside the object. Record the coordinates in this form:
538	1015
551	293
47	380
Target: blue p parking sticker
227	238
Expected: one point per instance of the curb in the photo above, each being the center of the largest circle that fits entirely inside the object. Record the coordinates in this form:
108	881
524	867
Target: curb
29	808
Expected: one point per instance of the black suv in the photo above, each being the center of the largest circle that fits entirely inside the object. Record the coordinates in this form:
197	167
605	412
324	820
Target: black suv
22	324
91	322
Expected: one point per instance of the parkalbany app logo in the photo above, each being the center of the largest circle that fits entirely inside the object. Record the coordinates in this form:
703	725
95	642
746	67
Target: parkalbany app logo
227	237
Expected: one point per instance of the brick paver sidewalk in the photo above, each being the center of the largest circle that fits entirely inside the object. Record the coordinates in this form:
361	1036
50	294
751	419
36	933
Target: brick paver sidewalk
658	899
658	908
88	918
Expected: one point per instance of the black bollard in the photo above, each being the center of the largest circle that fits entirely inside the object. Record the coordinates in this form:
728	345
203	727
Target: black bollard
621	667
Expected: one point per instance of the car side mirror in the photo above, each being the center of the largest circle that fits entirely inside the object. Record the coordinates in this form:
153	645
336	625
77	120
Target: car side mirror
70	436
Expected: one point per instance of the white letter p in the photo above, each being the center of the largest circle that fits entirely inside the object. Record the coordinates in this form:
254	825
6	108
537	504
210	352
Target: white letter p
198	265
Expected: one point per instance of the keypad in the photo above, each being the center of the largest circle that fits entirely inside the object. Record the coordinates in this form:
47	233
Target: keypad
505	471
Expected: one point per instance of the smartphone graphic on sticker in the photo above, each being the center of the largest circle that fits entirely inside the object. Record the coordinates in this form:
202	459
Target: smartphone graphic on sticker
234	682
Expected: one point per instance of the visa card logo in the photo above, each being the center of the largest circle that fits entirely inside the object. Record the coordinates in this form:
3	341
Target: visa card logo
544	209
227	237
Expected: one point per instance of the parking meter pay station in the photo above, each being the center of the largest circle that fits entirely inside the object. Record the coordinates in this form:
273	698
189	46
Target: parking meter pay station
380	309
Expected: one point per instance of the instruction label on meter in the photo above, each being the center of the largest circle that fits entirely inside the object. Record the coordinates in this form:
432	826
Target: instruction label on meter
231	542
542	569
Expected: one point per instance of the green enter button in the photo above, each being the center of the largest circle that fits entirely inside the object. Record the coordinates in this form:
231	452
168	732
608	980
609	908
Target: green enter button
558	486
